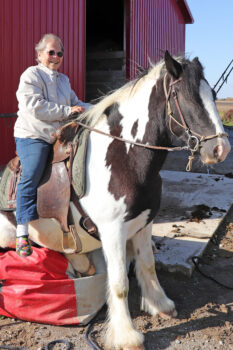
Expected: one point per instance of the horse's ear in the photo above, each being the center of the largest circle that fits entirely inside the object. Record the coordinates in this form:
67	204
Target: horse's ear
196	59
173	67
197	62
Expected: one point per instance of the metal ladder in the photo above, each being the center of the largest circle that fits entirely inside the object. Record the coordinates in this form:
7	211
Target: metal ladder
223	77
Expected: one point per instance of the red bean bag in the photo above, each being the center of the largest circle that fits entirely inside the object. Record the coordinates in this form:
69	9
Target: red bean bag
42	288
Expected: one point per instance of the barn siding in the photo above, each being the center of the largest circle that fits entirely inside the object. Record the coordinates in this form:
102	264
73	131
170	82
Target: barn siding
152	27
22	23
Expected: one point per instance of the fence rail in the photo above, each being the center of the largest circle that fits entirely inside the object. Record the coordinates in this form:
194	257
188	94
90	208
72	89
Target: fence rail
6	115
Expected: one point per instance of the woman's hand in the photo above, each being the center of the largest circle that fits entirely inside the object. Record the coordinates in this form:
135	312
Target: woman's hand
77	109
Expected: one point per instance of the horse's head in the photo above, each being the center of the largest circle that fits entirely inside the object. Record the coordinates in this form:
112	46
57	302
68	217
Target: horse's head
192	112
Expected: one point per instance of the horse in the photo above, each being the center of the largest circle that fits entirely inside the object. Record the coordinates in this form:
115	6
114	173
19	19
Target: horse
170	102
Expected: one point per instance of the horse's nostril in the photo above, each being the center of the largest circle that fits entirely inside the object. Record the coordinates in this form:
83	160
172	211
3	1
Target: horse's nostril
216	151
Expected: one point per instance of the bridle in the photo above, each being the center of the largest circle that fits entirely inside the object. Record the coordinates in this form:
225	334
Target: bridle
193	138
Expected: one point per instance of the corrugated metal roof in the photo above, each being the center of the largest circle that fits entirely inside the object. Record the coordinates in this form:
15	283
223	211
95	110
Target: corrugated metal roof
187	15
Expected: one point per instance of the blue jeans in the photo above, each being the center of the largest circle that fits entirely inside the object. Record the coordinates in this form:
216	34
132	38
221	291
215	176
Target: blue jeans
33	156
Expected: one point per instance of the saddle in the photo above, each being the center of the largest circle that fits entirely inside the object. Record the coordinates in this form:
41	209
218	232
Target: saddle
57	187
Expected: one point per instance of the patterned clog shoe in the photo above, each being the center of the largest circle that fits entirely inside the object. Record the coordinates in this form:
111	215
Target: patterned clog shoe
23	247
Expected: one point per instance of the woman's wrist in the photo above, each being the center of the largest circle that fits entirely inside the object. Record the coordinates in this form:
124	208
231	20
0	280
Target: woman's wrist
67	112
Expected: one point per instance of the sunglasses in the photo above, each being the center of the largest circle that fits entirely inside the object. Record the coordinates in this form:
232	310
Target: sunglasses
53	53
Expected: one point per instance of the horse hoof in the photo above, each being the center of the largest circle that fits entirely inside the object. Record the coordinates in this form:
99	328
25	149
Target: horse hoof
168	315
141	347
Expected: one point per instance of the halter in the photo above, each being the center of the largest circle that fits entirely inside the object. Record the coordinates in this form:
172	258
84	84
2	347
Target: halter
192	135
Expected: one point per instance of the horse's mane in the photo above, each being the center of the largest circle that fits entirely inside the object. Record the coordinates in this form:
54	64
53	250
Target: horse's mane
96	112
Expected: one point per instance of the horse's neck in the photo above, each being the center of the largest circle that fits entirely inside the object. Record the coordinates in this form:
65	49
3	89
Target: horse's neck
141	119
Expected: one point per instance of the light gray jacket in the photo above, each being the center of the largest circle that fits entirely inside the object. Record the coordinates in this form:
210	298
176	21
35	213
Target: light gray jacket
45	99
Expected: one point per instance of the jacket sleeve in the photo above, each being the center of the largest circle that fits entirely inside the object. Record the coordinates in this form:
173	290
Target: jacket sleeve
76	102
31	99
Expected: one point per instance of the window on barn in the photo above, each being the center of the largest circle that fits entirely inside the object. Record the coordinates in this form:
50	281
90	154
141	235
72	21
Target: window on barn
105	47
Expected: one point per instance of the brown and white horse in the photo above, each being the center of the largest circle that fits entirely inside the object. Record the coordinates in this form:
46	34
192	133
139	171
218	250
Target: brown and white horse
171	101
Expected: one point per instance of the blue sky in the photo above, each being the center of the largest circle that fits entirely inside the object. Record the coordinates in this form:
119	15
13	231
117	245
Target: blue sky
210	38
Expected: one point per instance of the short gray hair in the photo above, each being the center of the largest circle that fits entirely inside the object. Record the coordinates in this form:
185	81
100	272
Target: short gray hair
40	46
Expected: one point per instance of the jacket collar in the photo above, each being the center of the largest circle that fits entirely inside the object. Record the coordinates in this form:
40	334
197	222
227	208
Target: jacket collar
49	71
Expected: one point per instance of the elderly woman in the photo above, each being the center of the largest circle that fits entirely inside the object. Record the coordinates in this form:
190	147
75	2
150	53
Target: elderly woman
45	101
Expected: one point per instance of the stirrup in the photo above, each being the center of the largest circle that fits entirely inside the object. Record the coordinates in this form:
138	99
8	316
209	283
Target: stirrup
65	241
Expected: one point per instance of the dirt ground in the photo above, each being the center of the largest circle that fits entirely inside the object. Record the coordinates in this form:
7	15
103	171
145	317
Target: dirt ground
224	105
205	309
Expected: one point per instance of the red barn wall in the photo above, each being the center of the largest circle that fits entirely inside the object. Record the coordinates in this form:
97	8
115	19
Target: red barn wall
151	28
22	23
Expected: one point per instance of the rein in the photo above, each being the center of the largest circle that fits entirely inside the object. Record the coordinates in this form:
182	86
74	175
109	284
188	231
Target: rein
132	142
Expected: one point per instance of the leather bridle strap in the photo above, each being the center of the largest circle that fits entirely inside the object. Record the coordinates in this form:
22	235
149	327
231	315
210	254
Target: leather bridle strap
192	135
174	94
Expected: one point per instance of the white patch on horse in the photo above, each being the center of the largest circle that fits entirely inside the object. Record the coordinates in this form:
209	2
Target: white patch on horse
135	109
210	106
104	207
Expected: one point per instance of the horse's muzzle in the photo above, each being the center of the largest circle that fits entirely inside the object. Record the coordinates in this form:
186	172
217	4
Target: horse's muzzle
215	150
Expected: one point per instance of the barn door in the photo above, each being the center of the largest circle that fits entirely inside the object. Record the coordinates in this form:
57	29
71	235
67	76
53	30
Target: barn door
105	60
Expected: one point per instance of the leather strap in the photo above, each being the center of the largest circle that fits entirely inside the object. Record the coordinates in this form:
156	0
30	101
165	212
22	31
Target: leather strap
85	221
129	141
13	187
65	241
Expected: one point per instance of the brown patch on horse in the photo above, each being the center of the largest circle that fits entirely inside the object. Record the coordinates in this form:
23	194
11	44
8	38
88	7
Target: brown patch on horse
137	182
67	132
64	144
134	129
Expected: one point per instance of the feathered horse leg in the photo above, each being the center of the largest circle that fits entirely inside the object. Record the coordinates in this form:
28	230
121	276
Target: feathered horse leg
154	300
121	333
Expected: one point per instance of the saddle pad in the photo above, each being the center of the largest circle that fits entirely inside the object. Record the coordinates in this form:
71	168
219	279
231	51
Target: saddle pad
4	188
43	288
79	163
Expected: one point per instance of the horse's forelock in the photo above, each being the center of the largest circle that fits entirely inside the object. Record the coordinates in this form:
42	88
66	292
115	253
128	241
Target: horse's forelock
192	75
